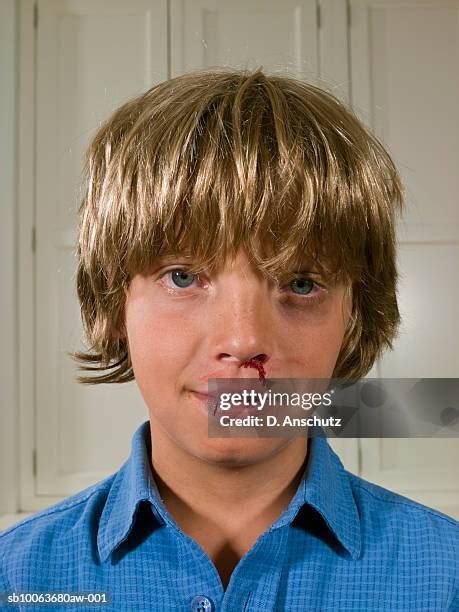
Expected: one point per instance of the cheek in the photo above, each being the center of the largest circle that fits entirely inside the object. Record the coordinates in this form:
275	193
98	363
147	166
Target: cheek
316	346
157	343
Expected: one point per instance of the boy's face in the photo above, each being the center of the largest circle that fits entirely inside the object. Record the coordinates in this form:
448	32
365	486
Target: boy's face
184	329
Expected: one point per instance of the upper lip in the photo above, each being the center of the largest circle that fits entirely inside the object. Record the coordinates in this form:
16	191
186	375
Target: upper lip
222	380
214	393
234	388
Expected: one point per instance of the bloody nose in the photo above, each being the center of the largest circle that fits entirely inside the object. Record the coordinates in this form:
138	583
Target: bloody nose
252	363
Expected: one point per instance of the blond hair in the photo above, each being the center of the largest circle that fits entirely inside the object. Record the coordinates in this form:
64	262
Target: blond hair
217	159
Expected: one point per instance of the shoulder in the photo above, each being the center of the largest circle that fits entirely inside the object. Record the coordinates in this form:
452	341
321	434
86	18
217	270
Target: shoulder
415	547
389	501
52	530
393	516
60	516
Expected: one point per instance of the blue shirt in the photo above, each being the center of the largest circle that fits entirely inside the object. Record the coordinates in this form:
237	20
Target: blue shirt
341	544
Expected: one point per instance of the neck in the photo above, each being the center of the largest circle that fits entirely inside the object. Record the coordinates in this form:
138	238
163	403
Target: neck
198	492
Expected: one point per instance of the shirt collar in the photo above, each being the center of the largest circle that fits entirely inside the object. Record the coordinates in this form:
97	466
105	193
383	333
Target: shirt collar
132	484
325	486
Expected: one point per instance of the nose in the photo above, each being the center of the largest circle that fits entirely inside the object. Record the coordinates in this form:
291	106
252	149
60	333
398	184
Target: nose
242	331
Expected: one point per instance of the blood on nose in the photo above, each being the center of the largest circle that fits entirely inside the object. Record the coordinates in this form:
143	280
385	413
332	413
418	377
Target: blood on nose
252	363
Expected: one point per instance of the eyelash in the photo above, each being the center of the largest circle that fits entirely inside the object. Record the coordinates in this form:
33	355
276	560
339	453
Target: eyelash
316	297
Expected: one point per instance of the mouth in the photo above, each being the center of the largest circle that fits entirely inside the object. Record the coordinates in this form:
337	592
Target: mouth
212	403
205	398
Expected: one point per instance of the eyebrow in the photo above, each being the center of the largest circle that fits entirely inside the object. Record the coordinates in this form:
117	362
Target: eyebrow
162	259
169	256
304	266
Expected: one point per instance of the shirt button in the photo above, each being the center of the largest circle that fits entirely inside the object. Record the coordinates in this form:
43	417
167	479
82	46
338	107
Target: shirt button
200	603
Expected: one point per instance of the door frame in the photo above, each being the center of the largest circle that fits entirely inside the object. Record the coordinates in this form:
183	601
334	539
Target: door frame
9	490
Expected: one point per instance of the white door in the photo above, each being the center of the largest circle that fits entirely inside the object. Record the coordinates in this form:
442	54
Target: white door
405	85
244	34
92	55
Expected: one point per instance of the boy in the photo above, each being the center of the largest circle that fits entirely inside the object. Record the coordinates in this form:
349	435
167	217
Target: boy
231	219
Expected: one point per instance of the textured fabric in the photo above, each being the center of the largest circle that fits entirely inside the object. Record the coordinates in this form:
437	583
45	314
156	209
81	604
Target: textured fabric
342	544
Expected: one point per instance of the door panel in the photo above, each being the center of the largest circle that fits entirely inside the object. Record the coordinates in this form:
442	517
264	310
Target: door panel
92	56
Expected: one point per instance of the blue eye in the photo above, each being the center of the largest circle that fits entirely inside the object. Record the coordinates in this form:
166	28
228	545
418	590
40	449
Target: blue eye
305	285
179	278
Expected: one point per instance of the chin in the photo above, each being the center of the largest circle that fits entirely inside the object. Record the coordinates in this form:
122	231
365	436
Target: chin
240	451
